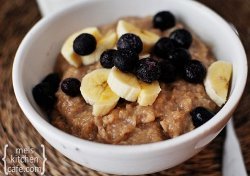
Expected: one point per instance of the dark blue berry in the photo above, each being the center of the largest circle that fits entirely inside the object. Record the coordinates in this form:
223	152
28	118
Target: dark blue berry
148	70
182	38
178	57
107	58
44	96
125	59
84	44
200	115
162	46
168	71
130	41
194	71
164	20
53	80
71	86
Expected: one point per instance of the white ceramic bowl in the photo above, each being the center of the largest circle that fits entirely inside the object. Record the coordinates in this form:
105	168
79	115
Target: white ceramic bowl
37	53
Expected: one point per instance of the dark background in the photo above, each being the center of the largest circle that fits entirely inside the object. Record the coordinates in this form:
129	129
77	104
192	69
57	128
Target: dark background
18	16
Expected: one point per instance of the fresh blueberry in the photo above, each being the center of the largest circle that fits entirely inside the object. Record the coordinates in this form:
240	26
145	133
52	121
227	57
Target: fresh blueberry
130	41
194	71
71	86
168	71
178	57
164	20
200	115
107	58
148	70
84	44
162	46
182	38
53	80
125	59
44	96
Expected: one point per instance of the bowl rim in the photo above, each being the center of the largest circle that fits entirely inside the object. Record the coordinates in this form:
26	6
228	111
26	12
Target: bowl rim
42	125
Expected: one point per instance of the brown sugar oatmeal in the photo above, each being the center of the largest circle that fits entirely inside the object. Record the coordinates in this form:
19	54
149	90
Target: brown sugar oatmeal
129	123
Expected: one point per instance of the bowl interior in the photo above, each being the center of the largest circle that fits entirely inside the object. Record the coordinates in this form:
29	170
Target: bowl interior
37	53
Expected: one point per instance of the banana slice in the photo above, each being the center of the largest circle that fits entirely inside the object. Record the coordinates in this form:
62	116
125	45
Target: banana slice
96	91
107	42
124	85
124	27
217	81
67	48
144	56
148	38
149	93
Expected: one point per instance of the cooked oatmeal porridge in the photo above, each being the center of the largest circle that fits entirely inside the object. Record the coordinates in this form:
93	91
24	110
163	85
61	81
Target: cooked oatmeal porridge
128	121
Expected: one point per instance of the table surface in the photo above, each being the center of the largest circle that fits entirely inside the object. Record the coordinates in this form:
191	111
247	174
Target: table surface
17	17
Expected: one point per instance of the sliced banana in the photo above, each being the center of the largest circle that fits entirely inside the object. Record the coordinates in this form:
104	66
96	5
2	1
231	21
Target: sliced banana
148	38
107	42
124	27
124	85
96	91
149	93
107	101
144	56
217	81
67	48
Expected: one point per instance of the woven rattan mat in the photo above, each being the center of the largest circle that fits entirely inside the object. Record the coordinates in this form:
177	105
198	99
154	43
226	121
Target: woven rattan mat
18	16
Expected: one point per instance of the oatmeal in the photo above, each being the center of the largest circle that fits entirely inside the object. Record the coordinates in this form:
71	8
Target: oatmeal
132	103
130	123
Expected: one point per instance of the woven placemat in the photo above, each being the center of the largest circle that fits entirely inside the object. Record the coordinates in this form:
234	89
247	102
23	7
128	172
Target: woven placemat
18	16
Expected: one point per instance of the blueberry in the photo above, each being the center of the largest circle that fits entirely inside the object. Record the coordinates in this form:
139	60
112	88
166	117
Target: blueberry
164	20
71	86
53	80
162	46
130	41
107	58
148	70
44	96
200	115
178	57
84	44
125	59
168	71
182	38
194	71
